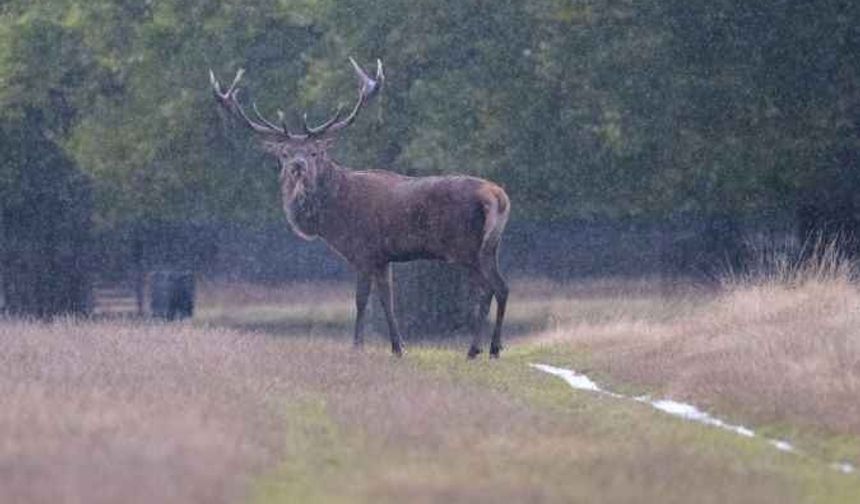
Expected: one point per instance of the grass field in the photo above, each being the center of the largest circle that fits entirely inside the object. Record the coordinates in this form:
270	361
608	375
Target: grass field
261	399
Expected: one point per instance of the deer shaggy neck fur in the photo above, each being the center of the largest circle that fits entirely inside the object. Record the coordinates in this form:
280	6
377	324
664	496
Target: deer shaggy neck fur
304	203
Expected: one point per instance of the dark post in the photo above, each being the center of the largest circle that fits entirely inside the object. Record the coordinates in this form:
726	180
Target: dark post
172	294
139	272
2	263
432	300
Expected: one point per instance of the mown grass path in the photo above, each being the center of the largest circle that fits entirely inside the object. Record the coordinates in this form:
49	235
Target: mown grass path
438	428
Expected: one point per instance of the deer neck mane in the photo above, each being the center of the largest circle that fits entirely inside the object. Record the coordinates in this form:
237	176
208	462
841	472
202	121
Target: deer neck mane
305	208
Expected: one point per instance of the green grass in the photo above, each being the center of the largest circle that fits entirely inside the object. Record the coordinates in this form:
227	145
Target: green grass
513	376
320	459
537	440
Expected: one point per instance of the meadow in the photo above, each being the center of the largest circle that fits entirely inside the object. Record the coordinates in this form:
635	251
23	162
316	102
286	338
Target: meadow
261	399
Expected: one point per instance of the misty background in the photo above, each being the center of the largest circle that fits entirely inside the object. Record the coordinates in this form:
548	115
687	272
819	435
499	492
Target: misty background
634	138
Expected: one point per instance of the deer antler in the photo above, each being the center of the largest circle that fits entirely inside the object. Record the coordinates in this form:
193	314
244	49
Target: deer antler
228	99
322	127
367	89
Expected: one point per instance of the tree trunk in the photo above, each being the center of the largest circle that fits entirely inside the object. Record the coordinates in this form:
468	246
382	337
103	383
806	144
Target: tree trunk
432	300
45	232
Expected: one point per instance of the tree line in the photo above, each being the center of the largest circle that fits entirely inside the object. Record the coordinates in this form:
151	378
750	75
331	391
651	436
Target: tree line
581	109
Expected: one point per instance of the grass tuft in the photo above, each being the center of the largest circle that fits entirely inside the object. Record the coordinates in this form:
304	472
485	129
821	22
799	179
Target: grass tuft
818	260
778	347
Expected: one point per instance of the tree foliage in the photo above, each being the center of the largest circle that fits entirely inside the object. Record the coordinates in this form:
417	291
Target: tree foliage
580	108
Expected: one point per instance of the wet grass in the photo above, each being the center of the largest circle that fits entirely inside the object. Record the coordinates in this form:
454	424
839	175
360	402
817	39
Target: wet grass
781	356
776	353
643	429
438	428
323	461
136	411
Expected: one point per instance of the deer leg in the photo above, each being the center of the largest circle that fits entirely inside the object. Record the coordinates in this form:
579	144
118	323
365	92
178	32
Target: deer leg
501	304
362	294
484	300
490	271
386	296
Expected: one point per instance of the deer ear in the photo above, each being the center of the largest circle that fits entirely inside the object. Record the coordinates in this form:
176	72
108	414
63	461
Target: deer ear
326	143
273	148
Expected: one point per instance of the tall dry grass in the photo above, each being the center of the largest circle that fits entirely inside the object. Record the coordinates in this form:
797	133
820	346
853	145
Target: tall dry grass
133	412
780	345
140	412
789	264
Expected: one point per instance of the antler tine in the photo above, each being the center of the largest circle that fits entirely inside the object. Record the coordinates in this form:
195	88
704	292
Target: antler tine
283	119
214	81
380	77
305	128
236	80
266	121
231	91
368	86
322	127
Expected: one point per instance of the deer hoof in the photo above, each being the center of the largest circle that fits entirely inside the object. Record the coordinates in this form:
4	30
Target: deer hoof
495	351
473	352
398	351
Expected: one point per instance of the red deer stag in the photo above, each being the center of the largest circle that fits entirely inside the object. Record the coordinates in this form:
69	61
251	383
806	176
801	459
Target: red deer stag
373	218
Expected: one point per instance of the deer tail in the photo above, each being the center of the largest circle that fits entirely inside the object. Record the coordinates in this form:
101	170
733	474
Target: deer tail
497	208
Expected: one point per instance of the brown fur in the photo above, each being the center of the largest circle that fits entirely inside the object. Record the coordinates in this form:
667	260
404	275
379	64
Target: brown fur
373	218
